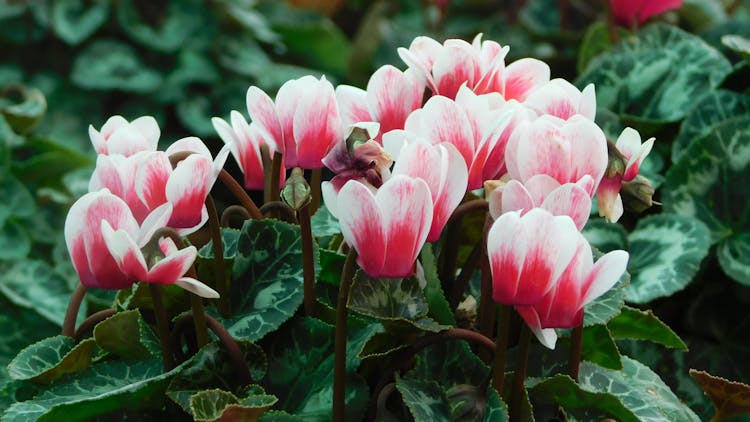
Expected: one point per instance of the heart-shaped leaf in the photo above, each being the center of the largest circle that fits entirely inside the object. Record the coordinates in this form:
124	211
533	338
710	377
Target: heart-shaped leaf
127	335
51	358
644	325
112	65
730	398
74	21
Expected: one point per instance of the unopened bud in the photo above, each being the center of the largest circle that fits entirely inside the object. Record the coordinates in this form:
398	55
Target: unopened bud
296	191
637	195
617	162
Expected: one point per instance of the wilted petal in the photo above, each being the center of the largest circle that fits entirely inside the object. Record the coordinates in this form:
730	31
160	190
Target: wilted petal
608	198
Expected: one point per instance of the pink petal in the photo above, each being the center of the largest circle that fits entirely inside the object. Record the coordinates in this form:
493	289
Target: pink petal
128	140
513	197
197	288
541	149
189	144
262	111
571	200
654	8
125	252
589	149
546	336
172	267
458	64
587	104
442	120
406	208
523	76
151	179
561	99
539	186
249	156
186	190
288	100
148	126
506	250
154	221
362	226
107	174
607	270
317	125
391	96
608	198
352	105
330	198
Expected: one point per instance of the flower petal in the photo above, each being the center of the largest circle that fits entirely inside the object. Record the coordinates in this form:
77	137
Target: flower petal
317	125
186	190
125	252
523	76
571	200
197	288
172	267
546	336
362	226
151	179
352	105
262	111
607	270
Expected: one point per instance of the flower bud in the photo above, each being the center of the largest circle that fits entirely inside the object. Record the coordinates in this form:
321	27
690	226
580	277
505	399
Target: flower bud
296	191
637	195
617	162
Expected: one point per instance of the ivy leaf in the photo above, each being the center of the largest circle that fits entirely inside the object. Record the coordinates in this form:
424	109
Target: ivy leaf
301	359
74	21
730	398
713	108
656	75
665	254
219	405
738	44
707	183
267	286
51	358
17	199
104	387
636	324
127	335
426	400
112	65
605	236
229	237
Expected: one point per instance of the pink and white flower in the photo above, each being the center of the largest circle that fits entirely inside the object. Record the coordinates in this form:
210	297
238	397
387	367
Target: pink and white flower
580	283
304	120
387	228
560	98
632	12
625	162
118	136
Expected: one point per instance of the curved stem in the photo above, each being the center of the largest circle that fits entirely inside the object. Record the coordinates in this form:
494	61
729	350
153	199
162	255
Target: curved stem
162	326
235	354
226	216
501	349
453	334
316	178
69	324
308	260
89	323
239	193
519	375
339	365
576	348
469	207
217	246
282	208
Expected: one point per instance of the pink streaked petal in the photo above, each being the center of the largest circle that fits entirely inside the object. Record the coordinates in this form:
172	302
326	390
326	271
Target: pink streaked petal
513	197
506	250
589	149
218	165
362	226
391	96
185	231
248	155
189	144
76	226
425	50
456	66
605	273
288	100
155	220
197	288
151	179
634	164
442	120
352	105
557	97
97	140
511	159
407	216
523	76
543	151
262	111
571	200
546	336
128	140
107	174
394	140
653	8
173	266
125	252
186	190
455	177
606	198
317	126
539	186
167	246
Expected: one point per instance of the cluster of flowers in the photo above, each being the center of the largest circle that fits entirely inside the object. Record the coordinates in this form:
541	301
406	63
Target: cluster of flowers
112	232
530	141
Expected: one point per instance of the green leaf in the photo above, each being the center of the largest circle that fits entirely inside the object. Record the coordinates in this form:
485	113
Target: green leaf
33	284
392	301
17	200
665	253
26	108
426	400
212	368
733	256
595	42
639	389
112	65
19	328
439	309
51	358
706	183
644	325
608	305
324	223
104	387
267	273
48	162
600	348
656	75
301	361
219	405
14	241
280	416
229	237
713	108
738	44
160	26
74	21
331	266
127	335
605	236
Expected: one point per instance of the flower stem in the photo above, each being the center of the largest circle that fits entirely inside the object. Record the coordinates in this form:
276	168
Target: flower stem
501	349
614	37
162	326
235	354
519	375
272	208
576	348
275	177
308	260
217	246
239	193
89	323
316	178
265	157
459	286
339	365
226	216
486	305
69	324
453	231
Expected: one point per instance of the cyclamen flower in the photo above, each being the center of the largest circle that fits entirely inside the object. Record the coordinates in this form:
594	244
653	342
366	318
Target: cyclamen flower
104	241
580	283
626	156
304	120
117	136
630	12
387	228
571	199
564	150
560	98
245	141
390	96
